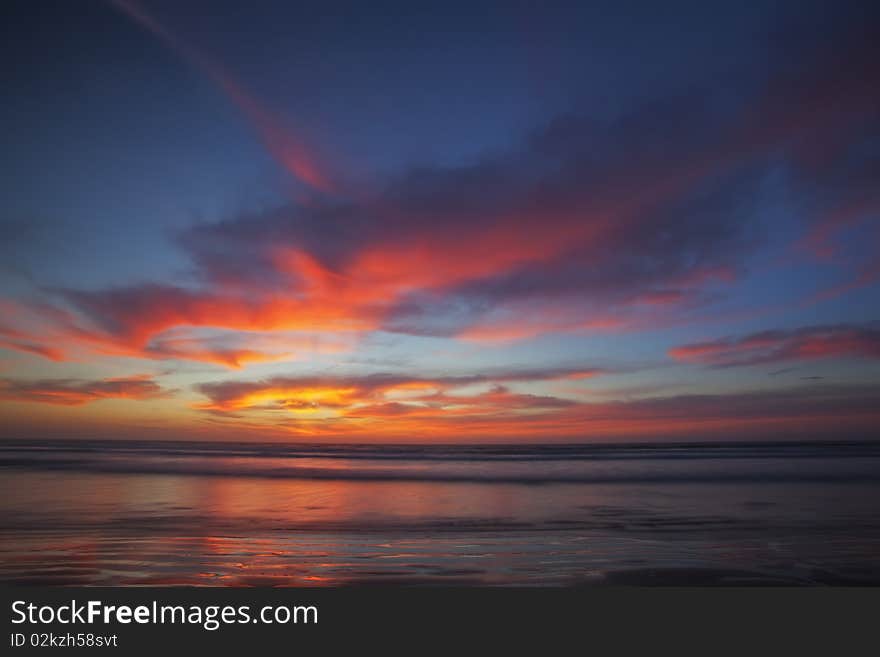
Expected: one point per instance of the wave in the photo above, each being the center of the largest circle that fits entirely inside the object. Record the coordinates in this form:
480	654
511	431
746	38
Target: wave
696	463
455	452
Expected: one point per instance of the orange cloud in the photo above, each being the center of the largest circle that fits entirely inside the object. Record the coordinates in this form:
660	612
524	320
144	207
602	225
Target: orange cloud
163	322
356	409
26	346
576	230
75	392
379	393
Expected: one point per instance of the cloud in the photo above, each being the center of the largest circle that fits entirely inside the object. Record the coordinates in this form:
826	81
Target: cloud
394	407
75	392
175	325
586	225
34	328
235	349
478	252
379	393
797	404
16	342
286	145
806	343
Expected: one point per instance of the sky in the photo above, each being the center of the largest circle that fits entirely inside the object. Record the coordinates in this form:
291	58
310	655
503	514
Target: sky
440	222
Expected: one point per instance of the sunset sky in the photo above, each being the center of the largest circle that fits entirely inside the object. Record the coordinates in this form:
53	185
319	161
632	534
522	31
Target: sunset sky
439	222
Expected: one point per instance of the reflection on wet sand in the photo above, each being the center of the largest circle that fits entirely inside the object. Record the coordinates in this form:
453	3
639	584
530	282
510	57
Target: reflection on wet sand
218	531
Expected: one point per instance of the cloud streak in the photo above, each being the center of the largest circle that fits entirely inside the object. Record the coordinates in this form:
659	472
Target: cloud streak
803	344
284	144
76	392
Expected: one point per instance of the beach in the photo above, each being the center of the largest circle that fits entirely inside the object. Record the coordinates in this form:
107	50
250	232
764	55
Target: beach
135	513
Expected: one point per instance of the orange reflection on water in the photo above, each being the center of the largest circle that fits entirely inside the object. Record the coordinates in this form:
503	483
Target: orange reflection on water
124	529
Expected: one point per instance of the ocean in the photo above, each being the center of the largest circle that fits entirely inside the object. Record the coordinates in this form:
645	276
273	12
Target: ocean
173	513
